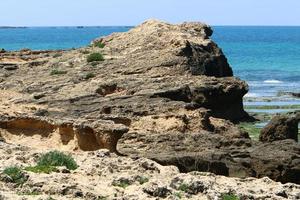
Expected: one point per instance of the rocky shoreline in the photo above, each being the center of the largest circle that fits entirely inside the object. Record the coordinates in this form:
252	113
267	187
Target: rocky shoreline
160	91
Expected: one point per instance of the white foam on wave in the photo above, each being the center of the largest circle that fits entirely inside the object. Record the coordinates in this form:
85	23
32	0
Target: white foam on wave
273	81
251	95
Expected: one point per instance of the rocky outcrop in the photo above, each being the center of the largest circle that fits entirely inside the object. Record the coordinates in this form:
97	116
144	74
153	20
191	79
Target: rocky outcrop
185	48
153	73
281	127
168	89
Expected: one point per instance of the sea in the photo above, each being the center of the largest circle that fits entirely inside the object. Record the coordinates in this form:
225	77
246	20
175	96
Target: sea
267	57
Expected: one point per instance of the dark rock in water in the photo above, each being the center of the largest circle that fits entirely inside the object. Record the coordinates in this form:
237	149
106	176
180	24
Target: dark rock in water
296	94
293	94
280	128
2	50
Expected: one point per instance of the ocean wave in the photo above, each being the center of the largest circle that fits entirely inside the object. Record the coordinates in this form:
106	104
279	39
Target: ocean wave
251	95
273	81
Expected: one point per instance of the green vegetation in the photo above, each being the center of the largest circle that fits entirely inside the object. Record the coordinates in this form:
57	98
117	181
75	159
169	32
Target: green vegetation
269	107
30	193
229	197
251	129
85	52
99	44
95	57
123	183
89	75
57	55
41	169
57	72
15	174
56	158
183	187
142	180
178	195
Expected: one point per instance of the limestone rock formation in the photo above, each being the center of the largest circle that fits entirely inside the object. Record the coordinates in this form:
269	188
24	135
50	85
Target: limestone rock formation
163	91
281	127
151	72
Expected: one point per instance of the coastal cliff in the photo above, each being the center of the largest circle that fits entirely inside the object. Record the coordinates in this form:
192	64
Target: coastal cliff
160	91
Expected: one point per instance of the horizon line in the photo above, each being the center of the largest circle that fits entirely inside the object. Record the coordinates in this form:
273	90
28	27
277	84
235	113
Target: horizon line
87	26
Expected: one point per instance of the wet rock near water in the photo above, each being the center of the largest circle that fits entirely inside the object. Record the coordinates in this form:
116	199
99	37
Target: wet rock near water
281	127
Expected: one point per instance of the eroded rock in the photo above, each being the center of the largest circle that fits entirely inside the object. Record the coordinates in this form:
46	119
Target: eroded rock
280	128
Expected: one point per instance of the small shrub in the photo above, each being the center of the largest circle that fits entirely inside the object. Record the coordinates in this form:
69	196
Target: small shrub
57	55
183	187
56	158
41	169
229	197
142	180
123	183
89	75
15	174
57	72
99	44
178	195
95	57
85	52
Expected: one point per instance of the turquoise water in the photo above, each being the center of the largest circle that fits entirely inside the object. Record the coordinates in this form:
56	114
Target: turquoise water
268	58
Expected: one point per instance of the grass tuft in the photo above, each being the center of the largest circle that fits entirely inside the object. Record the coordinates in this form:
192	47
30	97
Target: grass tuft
15	174
250	128
230	197
95	57
183	187
142	180
99	44
41	169
57	72
56	158
89	75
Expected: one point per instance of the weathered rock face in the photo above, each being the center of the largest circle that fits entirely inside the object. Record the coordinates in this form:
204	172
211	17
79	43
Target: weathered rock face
184	48
152	73
167	90
280	128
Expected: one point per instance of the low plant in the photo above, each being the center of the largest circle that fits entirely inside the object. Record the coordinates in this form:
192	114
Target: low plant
178	195
57	55
85	52
89	75
15	174
251	129
99	44
123	183
56	158
230	197
57	72
142	180
41	169
183	187
95	57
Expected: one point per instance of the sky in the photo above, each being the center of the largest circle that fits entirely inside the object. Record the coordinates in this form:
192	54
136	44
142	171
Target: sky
133	12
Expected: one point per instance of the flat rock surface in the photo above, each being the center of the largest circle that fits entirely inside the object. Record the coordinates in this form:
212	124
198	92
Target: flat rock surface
100	176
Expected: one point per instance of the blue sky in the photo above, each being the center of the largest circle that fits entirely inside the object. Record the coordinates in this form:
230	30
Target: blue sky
132	12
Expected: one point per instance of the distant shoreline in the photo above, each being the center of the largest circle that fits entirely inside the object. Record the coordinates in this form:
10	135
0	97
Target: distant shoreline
13	27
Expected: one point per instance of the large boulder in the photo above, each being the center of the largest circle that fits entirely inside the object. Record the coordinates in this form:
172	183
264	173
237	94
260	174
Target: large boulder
281	127
181	48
